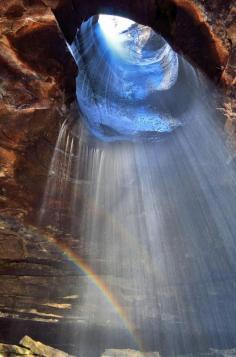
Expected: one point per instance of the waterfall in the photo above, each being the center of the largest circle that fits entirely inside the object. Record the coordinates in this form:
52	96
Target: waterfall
156	223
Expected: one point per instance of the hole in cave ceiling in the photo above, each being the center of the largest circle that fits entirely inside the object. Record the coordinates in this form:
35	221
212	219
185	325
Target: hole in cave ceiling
131	84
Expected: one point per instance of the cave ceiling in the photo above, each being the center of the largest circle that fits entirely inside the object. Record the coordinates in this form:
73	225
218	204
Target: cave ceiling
37	90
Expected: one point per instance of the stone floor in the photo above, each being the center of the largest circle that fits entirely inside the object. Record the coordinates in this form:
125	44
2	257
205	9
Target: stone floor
28	347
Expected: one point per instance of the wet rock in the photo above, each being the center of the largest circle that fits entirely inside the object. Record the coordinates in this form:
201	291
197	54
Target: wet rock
129	353
40	349
223	353
37	76
37	84
213	353
201	30
13	350
206	44
30	348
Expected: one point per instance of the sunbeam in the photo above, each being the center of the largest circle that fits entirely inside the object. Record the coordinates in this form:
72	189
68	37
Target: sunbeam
156	218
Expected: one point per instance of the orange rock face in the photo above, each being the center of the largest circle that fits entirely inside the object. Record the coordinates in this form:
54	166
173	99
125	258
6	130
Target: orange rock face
195	28
37	73
36	83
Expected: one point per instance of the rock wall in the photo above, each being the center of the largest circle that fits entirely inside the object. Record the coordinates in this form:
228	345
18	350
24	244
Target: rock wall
37	85
195	28
29	347
37	74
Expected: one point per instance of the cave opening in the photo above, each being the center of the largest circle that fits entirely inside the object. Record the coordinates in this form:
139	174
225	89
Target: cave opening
153	217
131	84
138	250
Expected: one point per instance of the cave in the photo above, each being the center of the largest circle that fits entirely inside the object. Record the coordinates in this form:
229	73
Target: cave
117	178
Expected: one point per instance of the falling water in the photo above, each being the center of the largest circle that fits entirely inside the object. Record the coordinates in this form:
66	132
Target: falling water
156	220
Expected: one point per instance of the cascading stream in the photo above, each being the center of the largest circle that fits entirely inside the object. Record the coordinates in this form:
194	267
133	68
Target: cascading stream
155	218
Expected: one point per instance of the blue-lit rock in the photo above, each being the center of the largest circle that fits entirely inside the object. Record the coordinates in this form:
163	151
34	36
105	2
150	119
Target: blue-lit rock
127	87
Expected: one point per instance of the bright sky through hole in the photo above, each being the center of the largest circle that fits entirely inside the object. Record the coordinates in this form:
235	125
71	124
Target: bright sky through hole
124	67
114	29
113	26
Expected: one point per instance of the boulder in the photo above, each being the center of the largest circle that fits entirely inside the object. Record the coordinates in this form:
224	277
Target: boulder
40	349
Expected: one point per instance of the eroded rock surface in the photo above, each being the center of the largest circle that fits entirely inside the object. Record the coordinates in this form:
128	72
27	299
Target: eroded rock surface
30	348
14	350
197	29
40	349
37	84
37	281
37	75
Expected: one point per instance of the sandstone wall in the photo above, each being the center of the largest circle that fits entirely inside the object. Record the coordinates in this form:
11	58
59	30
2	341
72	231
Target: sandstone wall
37	85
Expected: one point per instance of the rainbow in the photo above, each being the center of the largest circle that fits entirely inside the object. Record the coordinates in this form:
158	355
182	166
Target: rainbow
102	287
87	269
